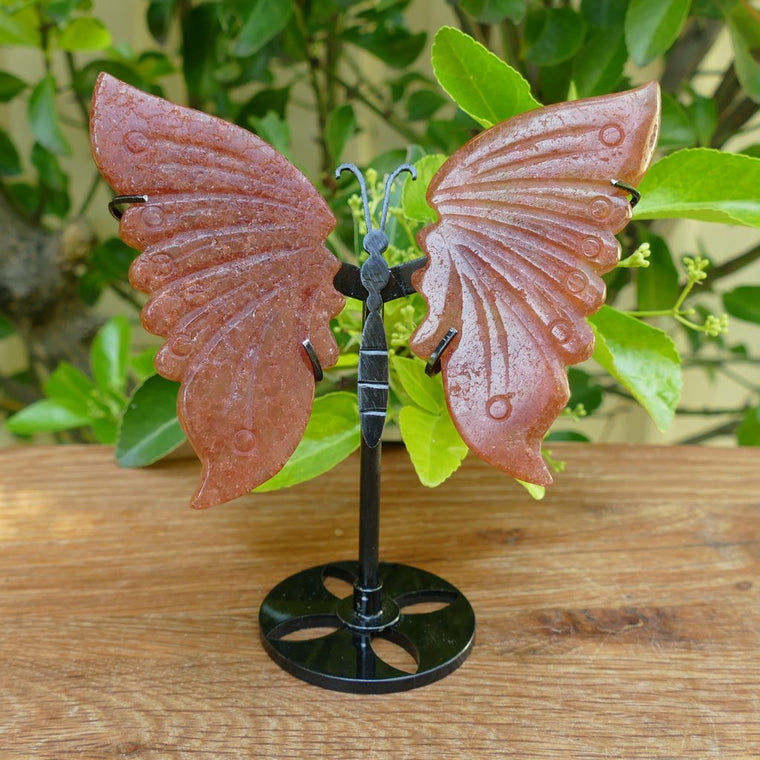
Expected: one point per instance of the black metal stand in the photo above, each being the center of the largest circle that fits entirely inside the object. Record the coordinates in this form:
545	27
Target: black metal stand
384	595
343	659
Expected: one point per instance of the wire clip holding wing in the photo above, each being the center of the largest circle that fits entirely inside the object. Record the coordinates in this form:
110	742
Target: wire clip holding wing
114	203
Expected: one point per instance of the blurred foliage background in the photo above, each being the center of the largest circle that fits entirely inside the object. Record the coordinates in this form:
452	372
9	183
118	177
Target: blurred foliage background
326	81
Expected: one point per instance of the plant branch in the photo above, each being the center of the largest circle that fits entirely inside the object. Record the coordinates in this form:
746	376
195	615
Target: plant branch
732	265
726	428
704	411
727	90
71	65
397	124
688	52
733	120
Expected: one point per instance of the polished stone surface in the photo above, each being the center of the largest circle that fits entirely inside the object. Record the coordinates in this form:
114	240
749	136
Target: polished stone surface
527	223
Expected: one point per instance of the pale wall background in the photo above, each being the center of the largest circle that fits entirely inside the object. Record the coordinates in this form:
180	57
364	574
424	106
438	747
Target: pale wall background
126	21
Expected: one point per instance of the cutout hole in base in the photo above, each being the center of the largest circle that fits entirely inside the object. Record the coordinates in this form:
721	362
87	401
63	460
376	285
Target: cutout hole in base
394	654
424	602
338	587
307	634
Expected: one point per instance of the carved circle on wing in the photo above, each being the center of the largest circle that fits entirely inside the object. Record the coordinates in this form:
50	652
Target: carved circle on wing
561	330
244	442
611	135
135	142
499	407
161	265
576	282
591	247
600	207
181	344
153	217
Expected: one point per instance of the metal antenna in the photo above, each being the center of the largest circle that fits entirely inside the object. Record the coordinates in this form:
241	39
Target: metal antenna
389	184
359	176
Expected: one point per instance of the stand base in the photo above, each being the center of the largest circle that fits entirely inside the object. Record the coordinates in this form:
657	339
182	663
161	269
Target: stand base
343	659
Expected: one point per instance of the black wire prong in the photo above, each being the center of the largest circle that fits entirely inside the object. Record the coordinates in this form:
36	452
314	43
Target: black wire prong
316	365
433	366
388	186
354	169
635	194
114	203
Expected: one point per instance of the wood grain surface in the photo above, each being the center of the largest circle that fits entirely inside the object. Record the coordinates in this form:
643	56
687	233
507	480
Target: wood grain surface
618	618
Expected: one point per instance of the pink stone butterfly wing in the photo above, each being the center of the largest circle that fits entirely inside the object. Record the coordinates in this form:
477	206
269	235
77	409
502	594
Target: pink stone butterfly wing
234	259
527	223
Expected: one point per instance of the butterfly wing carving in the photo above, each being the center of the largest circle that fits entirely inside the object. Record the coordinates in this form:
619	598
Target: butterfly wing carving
527	222
234	260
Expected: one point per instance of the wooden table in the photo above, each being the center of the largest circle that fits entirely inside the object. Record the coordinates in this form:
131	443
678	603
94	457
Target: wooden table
618	618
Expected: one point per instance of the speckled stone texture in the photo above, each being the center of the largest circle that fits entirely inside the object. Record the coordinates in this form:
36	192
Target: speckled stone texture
235	263
527	223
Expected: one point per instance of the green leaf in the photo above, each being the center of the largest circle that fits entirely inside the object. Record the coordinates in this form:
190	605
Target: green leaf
69	384
43	117
598	66
744	25
274	130
652	26
266	100
49	169
149	428
657	285
10	86
60	10
422	104
200	32
413	200
109	355
643	359
584	390
537	492
571	436
423	390
10	162
265	21
752	150
748	432
704	116
704	184
112	259
341	126
606	14
142	364
159	17
105	429
46	416
479	82
743	303
152	65
494	11
84	34
332	434
552	35
676	128
19	27
555	82
433	443
6	328
396	46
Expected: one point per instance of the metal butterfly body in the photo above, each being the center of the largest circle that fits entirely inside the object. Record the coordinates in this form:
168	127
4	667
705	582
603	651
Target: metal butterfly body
234	259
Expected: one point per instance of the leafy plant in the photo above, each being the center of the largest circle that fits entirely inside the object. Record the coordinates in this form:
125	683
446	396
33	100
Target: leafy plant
245	59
